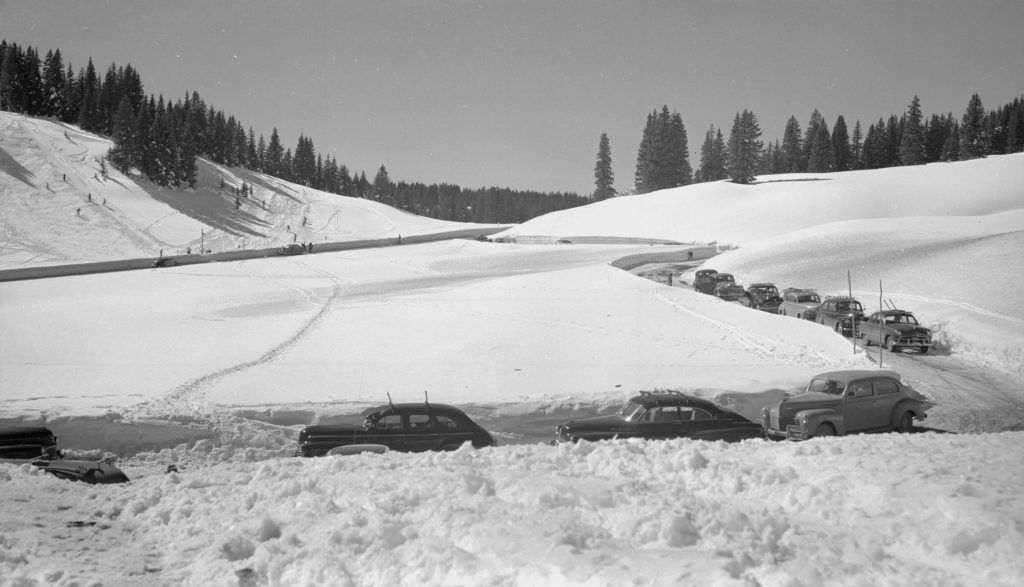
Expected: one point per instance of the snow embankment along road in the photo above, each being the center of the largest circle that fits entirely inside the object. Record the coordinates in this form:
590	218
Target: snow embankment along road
827	511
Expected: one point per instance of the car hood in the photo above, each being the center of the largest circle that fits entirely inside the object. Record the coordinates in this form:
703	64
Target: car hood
909	329
595	423
810	401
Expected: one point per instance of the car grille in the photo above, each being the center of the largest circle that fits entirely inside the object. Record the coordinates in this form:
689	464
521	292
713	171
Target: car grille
914	341
774	419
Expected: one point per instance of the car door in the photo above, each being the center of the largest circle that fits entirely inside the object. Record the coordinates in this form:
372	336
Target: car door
887	394
661	422
421	433
705	425
860	410
388	430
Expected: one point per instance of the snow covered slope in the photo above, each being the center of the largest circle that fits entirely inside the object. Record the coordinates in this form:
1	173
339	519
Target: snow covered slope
729	213
59	207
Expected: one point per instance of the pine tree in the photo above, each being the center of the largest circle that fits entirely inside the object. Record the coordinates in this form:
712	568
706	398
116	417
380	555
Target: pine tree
123	154
89	117
856	148
275	155
841	154
912	142
819	157
713	155
604	177
643	180
663	160
744	148
792	147
973	138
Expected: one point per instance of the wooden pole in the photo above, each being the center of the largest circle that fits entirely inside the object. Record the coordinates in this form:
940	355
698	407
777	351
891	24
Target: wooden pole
880	324
853	322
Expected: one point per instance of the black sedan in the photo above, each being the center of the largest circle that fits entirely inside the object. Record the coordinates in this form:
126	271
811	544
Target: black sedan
402	427
37	446
662	415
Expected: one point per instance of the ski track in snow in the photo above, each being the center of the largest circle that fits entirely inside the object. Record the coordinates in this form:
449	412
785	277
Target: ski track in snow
190	398
763	347
961	305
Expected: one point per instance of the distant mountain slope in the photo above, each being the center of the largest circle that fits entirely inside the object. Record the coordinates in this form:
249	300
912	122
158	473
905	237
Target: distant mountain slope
57	206
725	212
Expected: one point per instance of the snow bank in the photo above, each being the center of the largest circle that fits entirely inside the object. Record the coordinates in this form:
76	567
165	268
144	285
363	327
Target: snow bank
829	511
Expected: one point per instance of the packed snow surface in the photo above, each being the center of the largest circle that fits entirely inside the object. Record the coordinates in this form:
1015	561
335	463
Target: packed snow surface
215	367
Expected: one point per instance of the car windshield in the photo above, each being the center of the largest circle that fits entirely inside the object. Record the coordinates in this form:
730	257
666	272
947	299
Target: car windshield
900	319
809	298
828	386
848	306
724	277
631	410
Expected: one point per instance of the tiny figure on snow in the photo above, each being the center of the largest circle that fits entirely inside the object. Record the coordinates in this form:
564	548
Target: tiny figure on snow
188	250
65	177
89	196
78	212
689	255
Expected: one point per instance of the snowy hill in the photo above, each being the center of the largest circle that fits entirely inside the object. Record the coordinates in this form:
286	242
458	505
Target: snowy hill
59	207
729	213
214	367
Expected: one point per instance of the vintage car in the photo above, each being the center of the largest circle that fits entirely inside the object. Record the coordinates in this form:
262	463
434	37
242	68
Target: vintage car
661	415
764	297
405	427
704	281
37	446
727	289
292	249
842	402
801	303
842	314
895	329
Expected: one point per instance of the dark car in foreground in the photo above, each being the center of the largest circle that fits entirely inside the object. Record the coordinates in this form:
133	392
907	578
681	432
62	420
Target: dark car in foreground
843	402
661	415
764	297
842	314
895	329
292	249
407	427
37	446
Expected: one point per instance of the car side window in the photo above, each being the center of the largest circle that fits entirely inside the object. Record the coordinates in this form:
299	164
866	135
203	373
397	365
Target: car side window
884	386
446	422
860	389
664	414
391	421
420	421
699	414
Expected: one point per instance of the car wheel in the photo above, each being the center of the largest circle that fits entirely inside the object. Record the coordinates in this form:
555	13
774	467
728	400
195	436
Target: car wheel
744	301
890	344
824	430
906	423
924	349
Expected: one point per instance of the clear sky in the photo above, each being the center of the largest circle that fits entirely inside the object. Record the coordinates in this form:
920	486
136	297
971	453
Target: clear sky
517	93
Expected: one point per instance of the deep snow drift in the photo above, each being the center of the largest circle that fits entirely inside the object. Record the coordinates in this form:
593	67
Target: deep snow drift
213	368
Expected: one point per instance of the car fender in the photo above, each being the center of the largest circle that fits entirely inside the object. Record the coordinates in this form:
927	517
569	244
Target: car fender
809	421
907	405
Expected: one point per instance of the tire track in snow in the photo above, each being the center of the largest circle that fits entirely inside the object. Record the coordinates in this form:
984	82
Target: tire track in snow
190	397
763	347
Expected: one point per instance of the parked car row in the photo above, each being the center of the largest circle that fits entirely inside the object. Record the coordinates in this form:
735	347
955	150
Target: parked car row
893	328
37	446
832	404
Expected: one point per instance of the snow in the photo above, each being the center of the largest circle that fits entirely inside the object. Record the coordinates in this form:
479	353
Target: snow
215	367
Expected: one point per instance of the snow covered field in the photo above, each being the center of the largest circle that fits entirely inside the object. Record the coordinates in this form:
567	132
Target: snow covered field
214	367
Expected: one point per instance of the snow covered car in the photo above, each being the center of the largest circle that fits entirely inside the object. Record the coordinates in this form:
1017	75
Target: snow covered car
801	303
660	415
895	329
37	446
406	427
843	402
727	289
842	314
704	281
764	297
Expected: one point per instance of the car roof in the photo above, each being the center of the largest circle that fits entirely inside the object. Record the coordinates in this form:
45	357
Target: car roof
415	407
762	285
649	399
895	313
854	374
